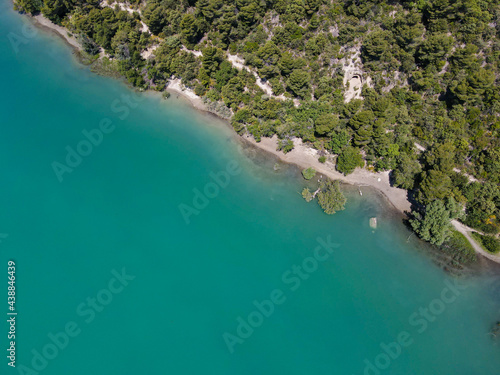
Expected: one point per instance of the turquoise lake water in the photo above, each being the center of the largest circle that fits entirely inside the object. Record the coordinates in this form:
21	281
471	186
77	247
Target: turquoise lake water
113	279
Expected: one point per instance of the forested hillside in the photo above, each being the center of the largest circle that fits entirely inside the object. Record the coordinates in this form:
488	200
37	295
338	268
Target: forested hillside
411	87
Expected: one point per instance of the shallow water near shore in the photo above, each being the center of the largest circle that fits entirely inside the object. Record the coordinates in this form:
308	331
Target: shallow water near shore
107	257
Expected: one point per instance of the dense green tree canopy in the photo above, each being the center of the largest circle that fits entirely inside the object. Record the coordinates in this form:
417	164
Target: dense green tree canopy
348	160
435	225
299	83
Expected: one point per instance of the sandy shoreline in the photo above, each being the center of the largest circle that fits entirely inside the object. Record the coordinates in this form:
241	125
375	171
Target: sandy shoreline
46	24
305	157
176	87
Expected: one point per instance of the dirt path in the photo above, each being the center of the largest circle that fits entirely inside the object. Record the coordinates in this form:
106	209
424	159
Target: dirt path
465	230
239	64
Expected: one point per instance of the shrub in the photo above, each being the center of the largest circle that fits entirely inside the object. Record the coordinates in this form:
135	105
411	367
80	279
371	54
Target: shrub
307	195
489	243
330	198
308	173
285	145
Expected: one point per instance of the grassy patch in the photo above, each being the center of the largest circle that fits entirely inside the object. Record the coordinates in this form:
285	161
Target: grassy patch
489	243
459	248
106	67
85	58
